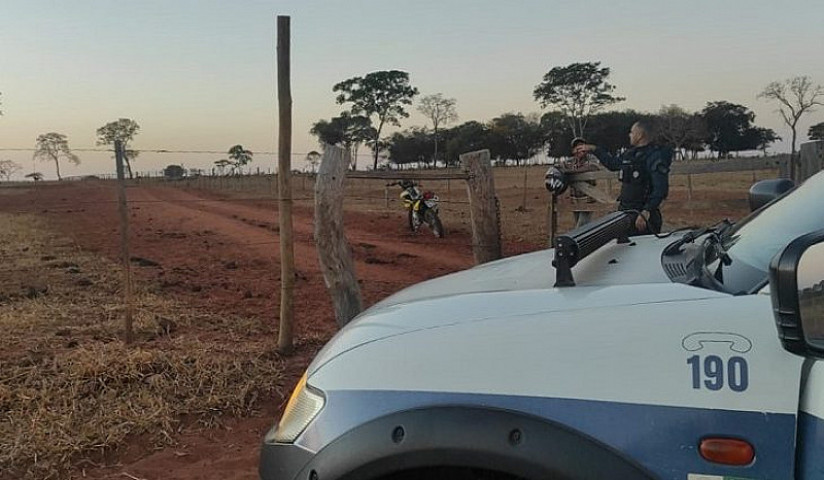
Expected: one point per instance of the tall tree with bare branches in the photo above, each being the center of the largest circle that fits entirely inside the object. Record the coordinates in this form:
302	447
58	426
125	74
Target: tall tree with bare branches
52	147
9	168
795	96
679	128
441	111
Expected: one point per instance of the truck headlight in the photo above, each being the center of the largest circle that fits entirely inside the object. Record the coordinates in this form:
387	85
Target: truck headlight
303	406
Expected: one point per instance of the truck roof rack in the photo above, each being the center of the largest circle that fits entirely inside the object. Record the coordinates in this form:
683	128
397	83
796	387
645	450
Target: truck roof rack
578	243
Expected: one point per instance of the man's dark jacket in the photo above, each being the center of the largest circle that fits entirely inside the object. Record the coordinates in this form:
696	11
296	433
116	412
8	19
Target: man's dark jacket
644	174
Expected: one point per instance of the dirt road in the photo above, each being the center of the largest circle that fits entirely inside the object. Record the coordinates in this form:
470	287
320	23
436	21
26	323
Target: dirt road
222	255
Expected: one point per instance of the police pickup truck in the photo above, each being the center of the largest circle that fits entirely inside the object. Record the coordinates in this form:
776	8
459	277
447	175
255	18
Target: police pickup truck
692	355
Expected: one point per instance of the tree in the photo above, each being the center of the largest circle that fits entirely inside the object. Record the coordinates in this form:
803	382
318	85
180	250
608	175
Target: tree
411	146
328	132
557	134
763	138
680	129
578	91
313	159
348	131
382	94
221	165
9	168
513	136
729	128
52	147
239	157
466	137
816	132
123	129
610	130
441	111
796	96
36	176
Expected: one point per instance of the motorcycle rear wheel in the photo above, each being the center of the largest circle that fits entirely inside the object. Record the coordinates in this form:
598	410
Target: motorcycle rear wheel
434	223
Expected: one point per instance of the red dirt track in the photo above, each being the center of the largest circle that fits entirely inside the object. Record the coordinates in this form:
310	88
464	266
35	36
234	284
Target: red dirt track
223	255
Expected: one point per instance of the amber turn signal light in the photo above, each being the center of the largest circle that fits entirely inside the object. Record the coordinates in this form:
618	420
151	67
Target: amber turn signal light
727	451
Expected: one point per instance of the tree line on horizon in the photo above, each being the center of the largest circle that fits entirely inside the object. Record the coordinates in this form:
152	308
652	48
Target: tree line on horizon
578	96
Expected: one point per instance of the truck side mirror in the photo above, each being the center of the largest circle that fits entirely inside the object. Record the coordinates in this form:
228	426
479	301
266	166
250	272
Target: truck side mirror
765	191
797	289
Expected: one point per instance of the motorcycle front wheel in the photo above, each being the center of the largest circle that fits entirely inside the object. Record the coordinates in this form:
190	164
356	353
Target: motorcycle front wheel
412	226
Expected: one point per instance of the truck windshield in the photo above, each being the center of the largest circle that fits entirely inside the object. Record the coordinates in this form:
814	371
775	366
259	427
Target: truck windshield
754	241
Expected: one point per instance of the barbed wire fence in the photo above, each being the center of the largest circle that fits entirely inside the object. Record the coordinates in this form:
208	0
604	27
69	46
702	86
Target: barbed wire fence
259	184
252	186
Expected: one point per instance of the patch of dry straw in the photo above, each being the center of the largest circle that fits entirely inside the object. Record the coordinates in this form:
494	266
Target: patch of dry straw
70	389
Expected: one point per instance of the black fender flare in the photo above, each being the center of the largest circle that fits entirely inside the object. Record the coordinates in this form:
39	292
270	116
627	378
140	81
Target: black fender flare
510	442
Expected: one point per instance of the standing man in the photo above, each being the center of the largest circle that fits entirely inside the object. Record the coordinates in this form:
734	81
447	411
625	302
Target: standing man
644	175
582	204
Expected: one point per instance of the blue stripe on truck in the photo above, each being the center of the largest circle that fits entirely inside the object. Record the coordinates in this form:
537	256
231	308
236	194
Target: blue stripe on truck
663	439
810	456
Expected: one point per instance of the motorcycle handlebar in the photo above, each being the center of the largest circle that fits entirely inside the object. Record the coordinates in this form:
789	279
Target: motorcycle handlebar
399	184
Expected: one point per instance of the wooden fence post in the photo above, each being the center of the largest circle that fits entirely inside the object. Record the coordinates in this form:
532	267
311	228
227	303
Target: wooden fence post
523	199
483	206
689	188
811	159
334	253
287	251
128	334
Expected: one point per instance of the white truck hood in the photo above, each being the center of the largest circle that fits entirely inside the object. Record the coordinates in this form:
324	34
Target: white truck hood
614	276
614	264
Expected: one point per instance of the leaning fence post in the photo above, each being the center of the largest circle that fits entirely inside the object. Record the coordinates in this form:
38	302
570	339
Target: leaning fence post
128	334
334	253
483	206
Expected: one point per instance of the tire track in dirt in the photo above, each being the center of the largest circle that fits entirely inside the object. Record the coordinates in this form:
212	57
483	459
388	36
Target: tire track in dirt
452	252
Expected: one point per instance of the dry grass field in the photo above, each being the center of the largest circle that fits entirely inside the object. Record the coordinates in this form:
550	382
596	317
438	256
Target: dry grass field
71	391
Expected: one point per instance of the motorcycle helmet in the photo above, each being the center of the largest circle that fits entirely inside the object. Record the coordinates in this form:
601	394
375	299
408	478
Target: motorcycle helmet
555	181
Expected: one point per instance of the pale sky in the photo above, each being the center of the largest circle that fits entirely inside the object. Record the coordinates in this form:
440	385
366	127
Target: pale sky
200	75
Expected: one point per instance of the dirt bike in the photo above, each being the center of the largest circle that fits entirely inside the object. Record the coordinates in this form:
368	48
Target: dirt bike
422	207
